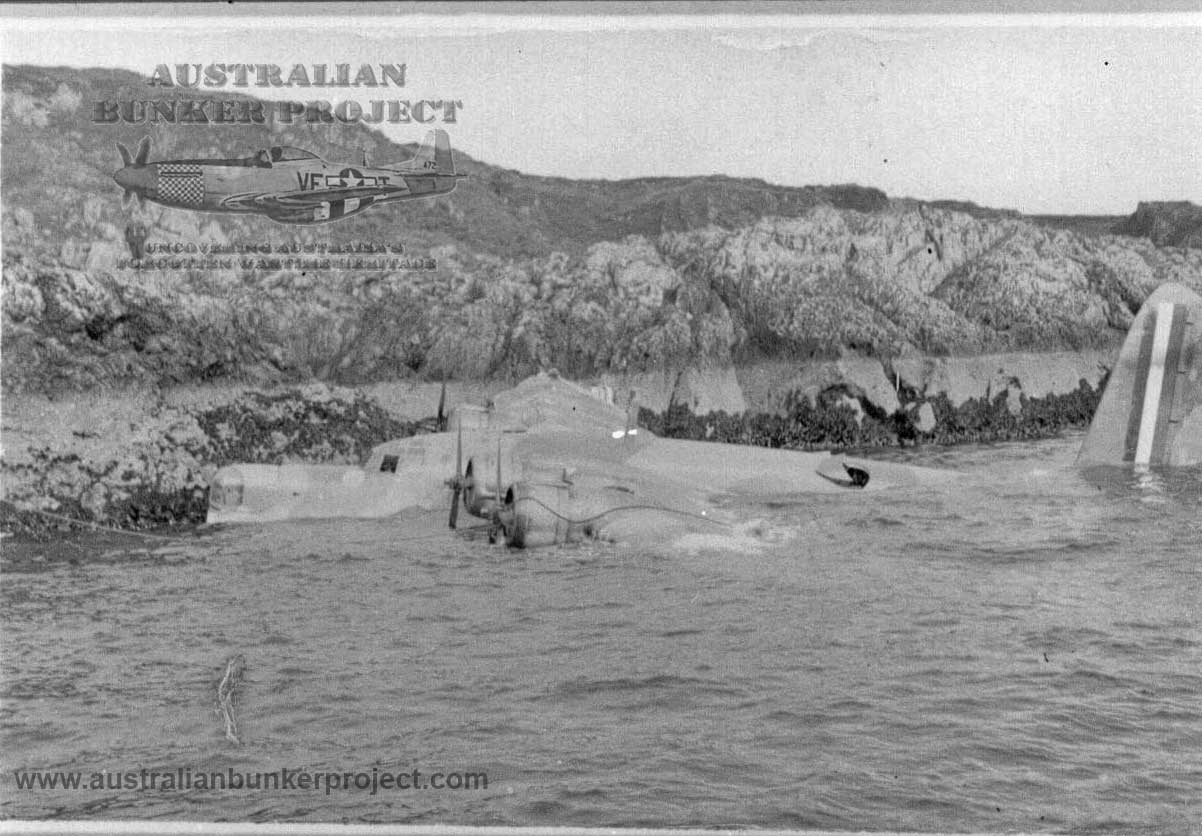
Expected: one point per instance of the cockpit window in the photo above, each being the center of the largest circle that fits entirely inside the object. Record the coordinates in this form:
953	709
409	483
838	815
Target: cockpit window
283	153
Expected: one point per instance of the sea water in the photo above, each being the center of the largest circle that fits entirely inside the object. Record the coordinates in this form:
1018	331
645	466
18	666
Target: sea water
1021	650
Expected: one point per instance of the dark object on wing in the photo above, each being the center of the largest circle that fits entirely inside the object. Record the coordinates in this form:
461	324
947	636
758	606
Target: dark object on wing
857	477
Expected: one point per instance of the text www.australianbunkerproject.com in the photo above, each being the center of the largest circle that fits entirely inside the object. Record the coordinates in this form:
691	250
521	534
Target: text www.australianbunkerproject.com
185	778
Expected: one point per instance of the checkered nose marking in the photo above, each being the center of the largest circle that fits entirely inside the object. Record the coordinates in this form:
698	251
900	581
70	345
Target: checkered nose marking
182	185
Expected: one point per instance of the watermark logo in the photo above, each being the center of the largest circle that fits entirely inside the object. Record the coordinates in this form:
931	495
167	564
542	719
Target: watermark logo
281	780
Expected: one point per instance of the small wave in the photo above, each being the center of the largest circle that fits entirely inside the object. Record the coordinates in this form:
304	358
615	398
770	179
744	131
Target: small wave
585	688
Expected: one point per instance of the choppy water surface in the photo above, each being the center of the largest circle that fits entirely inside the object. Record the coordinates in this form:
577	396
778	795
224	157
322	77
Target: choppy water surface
1022	652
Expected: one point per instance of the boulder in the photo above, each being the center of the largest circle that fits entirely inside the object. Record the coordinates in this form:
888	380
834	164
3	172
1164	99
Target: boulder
1017	374
926	418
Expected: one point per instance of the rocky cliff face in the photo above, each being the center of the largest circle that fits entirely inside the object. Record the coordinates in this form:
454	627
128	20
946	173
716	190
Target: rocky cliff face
513	273
828	284
922	280
1169	224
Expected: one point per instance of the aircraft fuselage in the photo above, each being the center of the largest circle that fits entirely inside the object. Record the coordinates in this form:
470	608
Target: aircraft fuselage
316	192
287	184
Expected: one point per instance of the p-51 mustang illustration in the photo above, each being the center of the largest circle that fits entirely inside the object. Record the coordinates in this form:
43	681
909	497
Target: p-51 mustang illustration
289	185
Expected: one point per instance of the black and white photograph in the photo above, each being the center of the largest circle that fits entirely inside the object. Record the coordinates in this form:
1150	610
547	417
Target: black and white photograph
620	418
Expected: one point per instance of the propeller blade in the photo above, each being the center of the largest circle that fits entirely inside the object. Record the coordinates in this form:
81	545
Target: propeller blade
442	402
126	159
458	482
495	527
143	151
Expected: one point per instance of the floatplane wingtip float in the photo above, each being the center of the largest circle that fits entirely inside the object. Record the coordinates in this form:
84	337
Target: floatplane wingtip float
289	185
552	462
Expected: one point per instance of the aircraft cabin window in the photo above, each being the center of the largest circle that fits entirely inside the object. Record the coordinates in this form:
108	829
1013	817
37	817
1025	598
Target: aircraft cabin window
388	465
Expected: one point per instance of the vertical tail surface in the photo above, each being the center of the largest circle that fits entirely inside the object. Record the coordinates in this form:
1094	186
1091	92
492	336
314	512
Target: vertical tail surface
434	155
1151	411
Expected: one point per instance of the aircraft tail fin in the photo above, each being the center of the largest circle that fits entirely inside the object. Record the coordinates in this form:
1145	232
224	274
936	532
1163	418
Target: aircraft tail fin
1151	411
434	155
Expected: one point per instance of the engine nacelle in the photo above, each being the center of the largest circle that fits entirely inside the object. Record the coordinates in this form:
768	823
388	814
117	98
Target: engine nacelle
542	514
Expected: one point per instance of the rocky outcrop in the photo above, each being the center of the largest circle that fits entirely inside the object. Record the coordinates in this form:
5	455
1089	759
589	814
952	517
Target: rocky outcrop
72	329
829	285
922	280
771	386
701	389
106	461
960	379
143	458
1165	223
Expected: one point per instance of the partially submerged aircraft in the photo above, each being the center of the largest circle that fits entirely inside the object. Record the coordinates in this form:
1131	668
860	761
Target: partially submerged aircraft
549	463
289	185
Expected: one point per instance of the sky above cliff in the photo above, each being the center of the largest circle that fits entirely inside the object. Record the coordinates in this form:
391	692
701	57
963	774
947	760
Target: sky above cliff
1061	113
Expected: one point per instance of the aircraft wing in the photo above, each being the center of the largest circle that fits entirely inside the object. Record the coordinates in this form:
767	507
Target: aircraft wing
315	196
313	206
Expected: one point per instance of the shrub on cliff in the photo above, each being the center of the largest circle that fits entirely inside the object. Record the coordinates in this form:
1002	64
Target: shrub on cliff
828	424
1051	413
977	419
831	422
313	424
992	419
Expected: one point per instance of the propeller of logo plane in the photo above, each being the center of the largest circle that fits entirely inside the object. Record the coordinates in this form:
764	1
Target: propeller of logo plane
133	171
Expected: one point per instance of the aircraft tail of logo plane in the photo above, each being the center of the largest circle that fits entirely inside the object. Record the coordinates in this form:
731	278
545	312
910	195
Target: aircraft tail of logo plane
287	184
